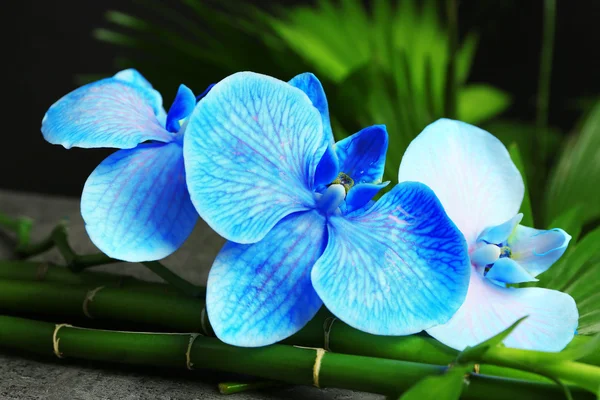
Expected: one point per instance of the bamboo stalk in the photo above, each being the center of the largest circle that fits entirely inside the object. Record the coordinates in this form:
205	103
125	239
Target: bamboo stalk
186	314
277	362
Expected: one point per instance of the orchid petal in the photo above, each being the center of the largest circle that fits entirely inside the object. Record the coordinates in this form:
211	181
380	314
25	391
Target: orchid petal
489	309
362	155
132	76
107	113
311	86
536	250
469	170
361	194
328	169
499	234
261	293
397	268
135	204
251	149
182	106
506	270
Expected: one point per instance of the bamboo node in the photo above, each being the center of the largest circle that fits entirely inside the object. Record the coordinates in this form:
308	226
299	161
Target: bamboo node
55	339
476	368
41	272
203	322
188	356
327	325
88	298
317	366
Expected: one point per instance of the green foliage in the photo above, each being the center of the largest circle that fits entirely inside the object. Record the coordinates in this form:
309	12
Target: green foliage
443	387
385	64
516	157
577	174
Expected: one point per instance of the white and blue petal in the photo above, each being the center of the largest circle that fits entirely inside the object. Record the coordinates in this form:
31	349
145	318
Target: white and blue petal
362	155
397	268
506	270
182	106
536	250
108	113
469	170
251	149
489	309
135	204
309	84
499	234
261	293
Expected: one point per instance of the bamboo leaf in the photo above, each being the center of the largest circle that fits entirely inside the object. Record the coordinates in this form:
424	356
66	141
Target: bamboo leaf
580	350
573	180
479	102
474	354
444	387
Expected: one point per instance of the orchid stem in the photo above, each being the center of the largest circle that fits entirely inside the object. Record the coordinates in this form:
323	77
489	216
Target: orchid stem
173	279
76	262
277	362
58	238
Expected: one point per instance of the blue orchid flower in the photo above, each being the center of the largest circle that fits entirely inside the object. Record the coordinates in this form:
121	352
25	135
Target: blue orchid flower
135	204
481	190
264	172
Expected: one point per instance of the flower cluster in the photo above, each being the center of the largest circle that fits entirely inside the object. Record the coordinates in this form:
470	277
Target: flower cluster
256	159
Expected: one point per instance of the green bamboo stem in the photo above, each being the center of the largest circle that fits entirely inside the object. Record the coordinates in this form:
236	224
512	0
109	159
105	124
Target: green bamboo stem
172	311
277	362
584	375
409	348
186	314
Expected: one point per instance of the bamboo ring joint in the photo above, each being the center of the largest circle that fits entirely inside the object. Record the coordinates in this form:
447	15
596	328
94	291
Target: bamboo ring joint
317	366
41	272
327	325
188	357
55	339
88	298
203	321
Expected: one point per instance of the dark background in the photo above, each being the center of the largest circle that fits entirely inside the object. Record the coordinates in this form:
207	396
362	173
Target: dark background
46	43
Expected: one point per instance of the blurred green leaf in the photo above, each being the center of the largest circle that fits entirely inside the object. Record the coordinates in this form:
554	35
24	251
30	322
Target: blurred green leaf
479	102
571	221
577	174
580	350
385	62
443	387
515	155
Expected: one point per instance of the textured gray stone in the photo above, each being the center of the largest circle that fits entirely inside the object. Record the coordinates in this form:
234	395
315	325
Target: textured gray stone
24	377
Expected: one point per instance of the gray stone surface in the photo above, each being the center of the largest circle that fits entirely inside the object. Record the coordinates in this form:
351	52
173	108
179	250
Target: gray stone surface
28	377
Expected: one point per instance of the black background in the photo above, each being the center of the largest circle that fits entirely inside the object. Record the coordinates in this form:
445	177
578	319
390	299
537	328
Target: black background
46	43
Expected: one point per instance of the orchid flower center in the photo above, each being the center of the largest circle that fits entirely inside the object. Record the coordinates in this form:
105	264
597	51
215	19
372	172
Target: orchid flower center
345	180
486	255
330	200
